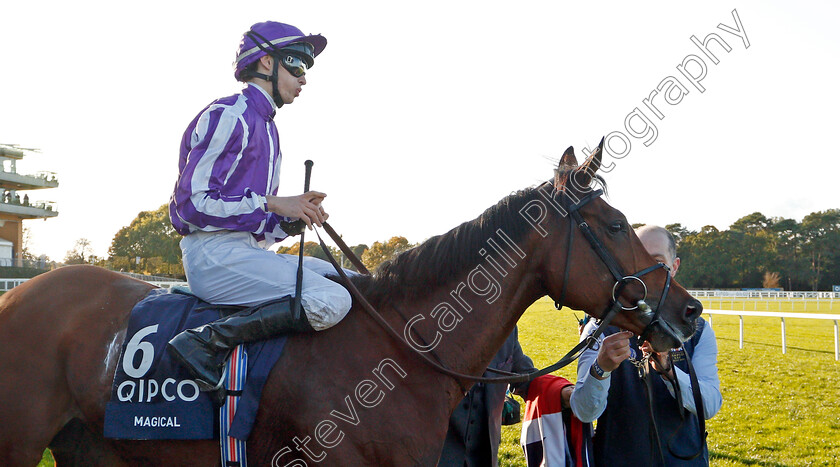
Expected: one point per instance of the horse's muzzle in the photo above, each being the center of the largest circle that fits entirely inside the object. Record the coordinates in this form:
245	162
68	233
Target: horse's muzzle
693	310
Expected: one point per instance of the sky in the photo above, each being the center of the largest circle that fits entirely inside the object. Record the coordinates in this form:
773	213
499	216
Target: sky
420	115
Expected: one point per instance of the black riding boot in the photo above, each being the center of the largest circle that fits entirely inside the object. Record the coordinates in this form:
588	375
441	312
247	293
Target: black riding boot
205	349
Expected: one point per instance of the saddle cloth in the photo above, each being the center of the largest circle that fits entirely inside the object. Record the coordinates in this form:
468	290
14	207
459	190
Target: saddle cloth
154	397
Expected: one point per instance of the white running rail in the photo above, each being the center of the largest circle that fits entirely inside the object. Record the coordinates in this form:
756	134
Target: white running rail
8	284
773	314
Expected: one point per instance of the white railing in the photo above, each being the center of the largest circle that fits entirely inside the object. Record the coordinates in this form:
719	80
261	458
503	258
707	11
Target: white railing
780	301
157	281
164	282
772	314
8	284
168	284
778	294
150	279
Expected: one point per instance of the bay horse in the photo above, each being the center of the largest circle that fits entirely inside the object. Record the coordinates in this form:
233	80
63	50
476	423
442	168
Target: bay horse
349	395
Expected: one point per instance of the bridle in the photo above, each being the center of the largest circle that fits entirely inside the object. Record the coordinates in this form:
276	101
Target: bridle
621	279
614	308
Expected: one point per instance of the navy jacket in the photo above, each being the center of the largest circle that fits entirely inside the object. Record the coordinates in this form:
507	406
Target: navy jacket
622	436
475	427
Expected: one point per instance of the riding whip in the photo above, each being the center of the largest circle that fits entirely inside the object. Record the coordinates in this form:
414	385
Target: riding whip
299	282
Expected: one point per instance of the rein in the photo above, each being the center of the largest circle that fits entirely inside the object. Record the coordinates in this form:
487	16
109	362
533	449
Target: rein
612	310
513	378
644	367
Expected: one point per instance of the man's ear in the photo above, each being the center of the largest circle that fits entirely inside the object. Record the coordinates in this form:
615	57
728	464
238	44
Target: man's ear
675	267
267	61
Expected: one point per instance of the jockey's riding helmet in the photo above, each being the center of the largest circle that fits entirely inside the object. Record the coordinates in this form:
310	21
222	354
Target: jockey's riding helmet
286	43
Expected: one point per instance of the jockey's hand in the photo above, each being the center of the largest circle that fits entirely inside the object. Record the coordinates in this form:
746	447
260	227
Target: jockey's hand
614	349
659	360
306	207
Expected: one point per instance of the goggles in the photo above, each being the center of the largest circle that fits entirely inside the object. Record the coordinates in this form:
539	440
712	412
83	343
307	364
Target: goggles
294	64
302	49
297	58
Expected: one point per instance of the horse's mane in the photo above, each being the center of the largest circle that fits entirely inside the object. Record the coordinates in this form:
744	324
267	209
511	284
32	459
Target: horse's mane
439	259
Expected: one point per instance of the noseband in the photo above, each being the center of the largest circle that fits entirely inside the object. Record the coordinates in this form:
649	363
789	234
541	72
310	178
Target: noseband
621	279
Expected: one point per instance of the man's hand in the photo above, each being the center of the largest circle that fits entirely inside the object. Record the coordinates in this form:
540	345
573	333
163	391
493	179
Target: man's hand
566	396
615	348
306	207
659	359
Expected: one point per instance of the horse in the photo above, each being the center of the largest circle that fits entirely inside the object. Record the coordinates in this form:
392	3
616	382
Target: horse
351	394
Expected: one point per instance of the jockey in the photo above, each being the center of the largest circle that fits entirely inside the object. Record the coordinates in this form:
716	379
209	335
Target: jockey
225	204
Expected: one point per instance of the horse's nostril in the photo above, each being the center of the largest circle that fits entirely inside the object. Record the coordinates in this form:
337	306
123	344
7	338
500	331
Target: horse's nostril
693	310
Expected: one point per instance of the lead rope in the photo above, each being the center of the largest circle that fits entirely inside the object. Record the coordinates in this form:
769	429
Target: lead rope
698	408
644	373
653	430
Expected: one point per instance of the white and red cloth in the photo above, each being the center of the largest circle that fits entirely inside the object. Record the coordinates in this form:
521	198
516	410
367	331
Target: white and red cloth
550	437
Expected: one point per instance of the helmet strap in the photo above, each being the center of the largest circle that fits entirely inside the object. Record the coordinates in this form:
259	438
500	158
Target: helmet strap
275	92
271	51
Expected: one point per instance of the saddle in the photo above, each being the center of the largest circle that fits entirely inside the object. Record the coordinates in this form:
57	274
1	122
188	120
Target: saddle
154	397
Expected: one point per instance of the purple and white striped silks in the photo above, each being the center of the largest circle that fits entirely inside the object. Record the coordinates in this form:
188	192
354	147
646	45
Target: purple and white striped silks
229	161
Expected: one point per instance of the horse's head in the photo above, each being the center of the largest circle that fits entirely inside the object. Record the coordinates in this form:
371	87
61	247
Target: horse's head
606	261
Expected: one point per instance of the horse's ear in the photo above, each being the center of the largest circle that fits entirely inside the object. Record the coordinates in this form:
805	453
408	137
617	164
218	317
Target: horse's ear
567	163
568	159
583	175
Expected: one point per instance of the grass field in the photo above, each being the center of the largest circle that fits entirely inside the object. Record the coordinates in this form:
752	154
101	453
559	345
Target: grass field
778	410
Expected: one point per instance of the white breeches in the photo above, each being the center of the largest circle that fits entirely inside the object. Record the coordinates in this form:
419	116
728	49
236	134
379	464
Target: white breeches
230	268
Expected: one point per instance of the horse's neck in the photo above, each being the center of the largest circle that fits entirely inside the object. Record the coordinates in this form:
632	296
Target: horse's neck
468	320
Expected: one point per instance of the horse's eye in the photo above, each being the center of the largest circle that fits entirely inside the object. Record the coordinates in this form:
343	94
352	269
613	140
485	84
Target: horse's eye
616	227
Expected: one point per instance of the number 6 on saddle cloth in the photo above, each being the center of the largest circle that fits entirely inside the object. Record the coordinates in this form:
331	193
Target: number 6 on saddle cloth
157	397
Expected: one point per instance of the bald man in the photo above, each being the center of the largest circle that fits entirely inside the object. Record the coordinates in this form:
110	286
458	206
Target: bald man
609	389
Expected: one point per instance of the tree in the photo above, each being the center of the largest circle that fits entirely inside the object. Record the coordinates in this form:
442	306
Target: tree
151	237
771	280
806	255
312	249
358	250
381	252
679	232
751	223
790	260
80	254
706	259
755	245
822	247
25	253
